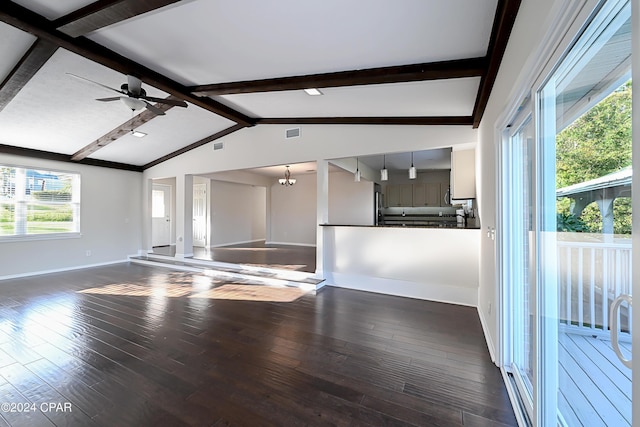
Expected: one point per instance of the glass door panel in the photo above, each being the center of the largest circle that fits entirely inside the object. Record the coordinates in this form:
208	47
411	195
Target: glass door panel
516	216
584	227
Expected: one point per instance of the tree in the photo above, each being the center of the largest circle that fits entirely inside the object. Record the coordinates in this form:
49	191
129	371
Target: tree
596	144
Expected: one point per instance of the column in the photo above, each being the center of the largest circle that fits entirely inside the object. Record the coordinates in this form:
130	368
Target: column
322	214
184	216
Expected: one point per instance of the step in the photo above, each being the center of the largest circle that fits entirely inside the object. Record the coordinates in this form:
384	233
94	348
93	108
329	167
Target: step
222	270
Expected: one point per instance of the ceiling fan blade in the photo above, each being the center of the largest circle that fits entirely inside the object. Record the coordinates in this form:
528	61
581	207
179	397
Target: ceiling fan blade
95	83
154	110
175	102
115	98
134	85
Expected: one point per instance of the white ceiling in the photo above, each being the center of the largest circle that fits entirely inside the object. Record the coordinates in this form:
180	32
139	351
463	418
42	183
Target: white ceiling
199	42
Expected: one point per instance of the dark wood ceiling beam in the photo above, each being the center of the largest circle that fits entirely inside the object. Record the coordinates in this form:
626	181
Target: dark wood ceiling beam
122	130
39	53
102	13
196	144
420	121
47	155
28	21
472	67
505	18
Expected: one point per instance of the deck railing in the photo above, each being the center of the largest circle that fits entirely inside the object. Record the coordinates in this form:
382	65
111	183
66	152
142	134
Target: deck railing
593	270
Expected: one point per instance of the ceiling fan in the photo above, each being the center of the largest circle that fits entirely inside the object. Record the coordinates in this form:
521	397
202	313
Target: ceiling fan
134	97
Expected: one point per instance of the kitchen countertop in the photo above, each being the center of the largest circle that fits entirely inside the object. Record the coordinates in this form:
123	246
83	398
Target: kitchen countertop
440	225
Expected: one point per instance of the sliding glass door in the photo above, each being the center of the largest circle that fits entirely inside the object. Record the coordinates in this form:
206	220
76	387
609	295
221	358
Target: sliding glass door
517	158
566	225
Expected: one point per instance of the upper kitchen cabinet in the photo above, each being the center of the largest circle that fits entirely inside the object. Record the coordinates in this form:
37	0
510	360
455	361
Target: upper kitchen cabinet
399	195
463	174
427	194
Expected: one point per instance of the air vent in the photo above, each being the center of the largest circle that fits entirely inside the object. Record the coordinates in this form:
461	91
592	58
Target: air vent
218	146
292	133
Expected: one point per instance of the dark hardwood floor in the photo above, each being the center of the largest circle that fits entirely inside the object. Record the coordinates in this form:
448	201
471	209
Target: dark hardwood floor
131	345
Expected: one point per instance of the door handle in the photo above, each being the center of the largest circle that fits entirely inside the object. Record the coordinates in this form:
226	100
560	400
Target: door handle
613	322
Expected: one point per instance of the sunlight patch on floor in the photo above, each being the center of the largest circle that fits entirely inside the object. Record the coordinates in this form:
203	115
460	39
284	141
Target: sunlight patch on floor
252	293
278	266
127	289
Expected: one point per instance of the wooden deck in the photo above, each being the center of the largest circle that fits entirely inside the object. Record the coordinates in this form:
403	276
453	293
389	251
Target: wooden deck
595	387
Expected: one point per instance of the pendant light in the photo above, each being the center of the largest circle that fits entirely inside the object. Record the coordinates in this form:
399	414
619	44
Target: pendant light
384	173
413	173
357	174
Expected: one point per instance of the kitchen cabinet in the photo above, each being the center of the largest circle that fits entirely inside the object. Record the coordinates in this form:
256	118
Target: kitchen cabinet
463	174
427	194
399	195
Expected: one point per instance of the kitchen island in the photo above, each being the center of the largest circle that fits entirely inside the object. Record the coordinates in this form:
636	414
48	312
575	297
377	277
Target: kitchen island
425	262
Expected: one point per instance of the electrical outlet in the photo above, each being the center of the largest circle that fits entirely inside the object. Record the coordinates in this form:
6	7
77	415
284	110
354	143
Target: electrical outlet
88	253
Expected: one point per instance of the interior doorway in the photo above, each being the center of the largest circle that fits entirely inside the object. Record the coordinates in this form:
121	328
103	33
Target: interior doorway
161	215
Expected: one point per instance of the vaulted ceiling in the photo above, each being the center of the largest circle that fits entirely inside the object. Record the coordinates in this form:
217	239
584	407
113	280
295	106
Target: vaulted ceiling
237	64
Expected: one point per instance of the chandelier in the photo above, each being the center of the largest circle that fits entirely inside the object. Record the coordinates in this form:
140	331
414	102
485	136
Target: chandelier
287	180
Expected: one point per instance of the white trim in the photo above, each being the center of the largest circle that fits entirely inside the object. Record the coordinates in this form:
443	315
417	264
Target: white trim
487	337
186	255
425	291
561	18
40	236
310	245
61	270
219	245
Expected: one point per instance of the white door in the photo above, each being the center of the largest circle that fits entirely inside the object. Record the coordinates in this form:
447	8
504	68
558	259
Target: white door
200	215
161	215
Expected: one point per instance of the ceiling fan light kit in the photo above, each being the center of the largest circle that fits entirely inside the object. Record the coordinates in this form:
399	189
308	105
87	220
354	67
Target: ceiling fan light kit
135	98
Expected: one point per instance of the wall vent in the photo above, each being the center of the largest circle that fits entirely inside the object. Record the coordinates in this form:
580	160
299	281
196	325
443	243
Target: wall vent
218	146
292	133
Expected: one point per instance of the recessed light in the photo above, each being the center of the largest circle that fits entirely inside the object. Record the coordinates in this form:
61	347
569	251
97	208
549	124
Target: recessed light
313	92
138	134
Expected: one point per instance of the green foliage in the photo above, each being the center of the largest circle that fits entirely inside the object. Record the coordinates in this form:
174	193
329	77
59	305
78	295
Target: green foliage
49	216
569	222
52	196
592	218
622	215
596	144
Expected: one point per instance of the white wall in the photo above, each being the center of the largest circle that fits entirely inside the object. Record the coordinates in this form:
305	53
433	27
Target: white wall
534	21
110	223
238	213
350	202
293	212
265	145
427	263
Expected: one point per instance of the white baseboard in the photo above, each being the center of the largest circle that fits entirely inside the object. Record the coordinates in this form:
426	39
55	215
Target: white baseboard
60	270
187	255
487	336
219	245
310	245
426	291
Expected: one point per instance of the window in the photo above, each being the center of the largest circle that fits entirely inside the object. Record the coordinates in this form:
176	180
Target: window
36	203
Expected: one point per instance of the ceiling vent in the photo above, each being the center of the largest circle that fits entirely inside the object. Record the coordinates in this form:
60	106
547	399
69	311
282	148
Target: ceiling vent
292	133
218	146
